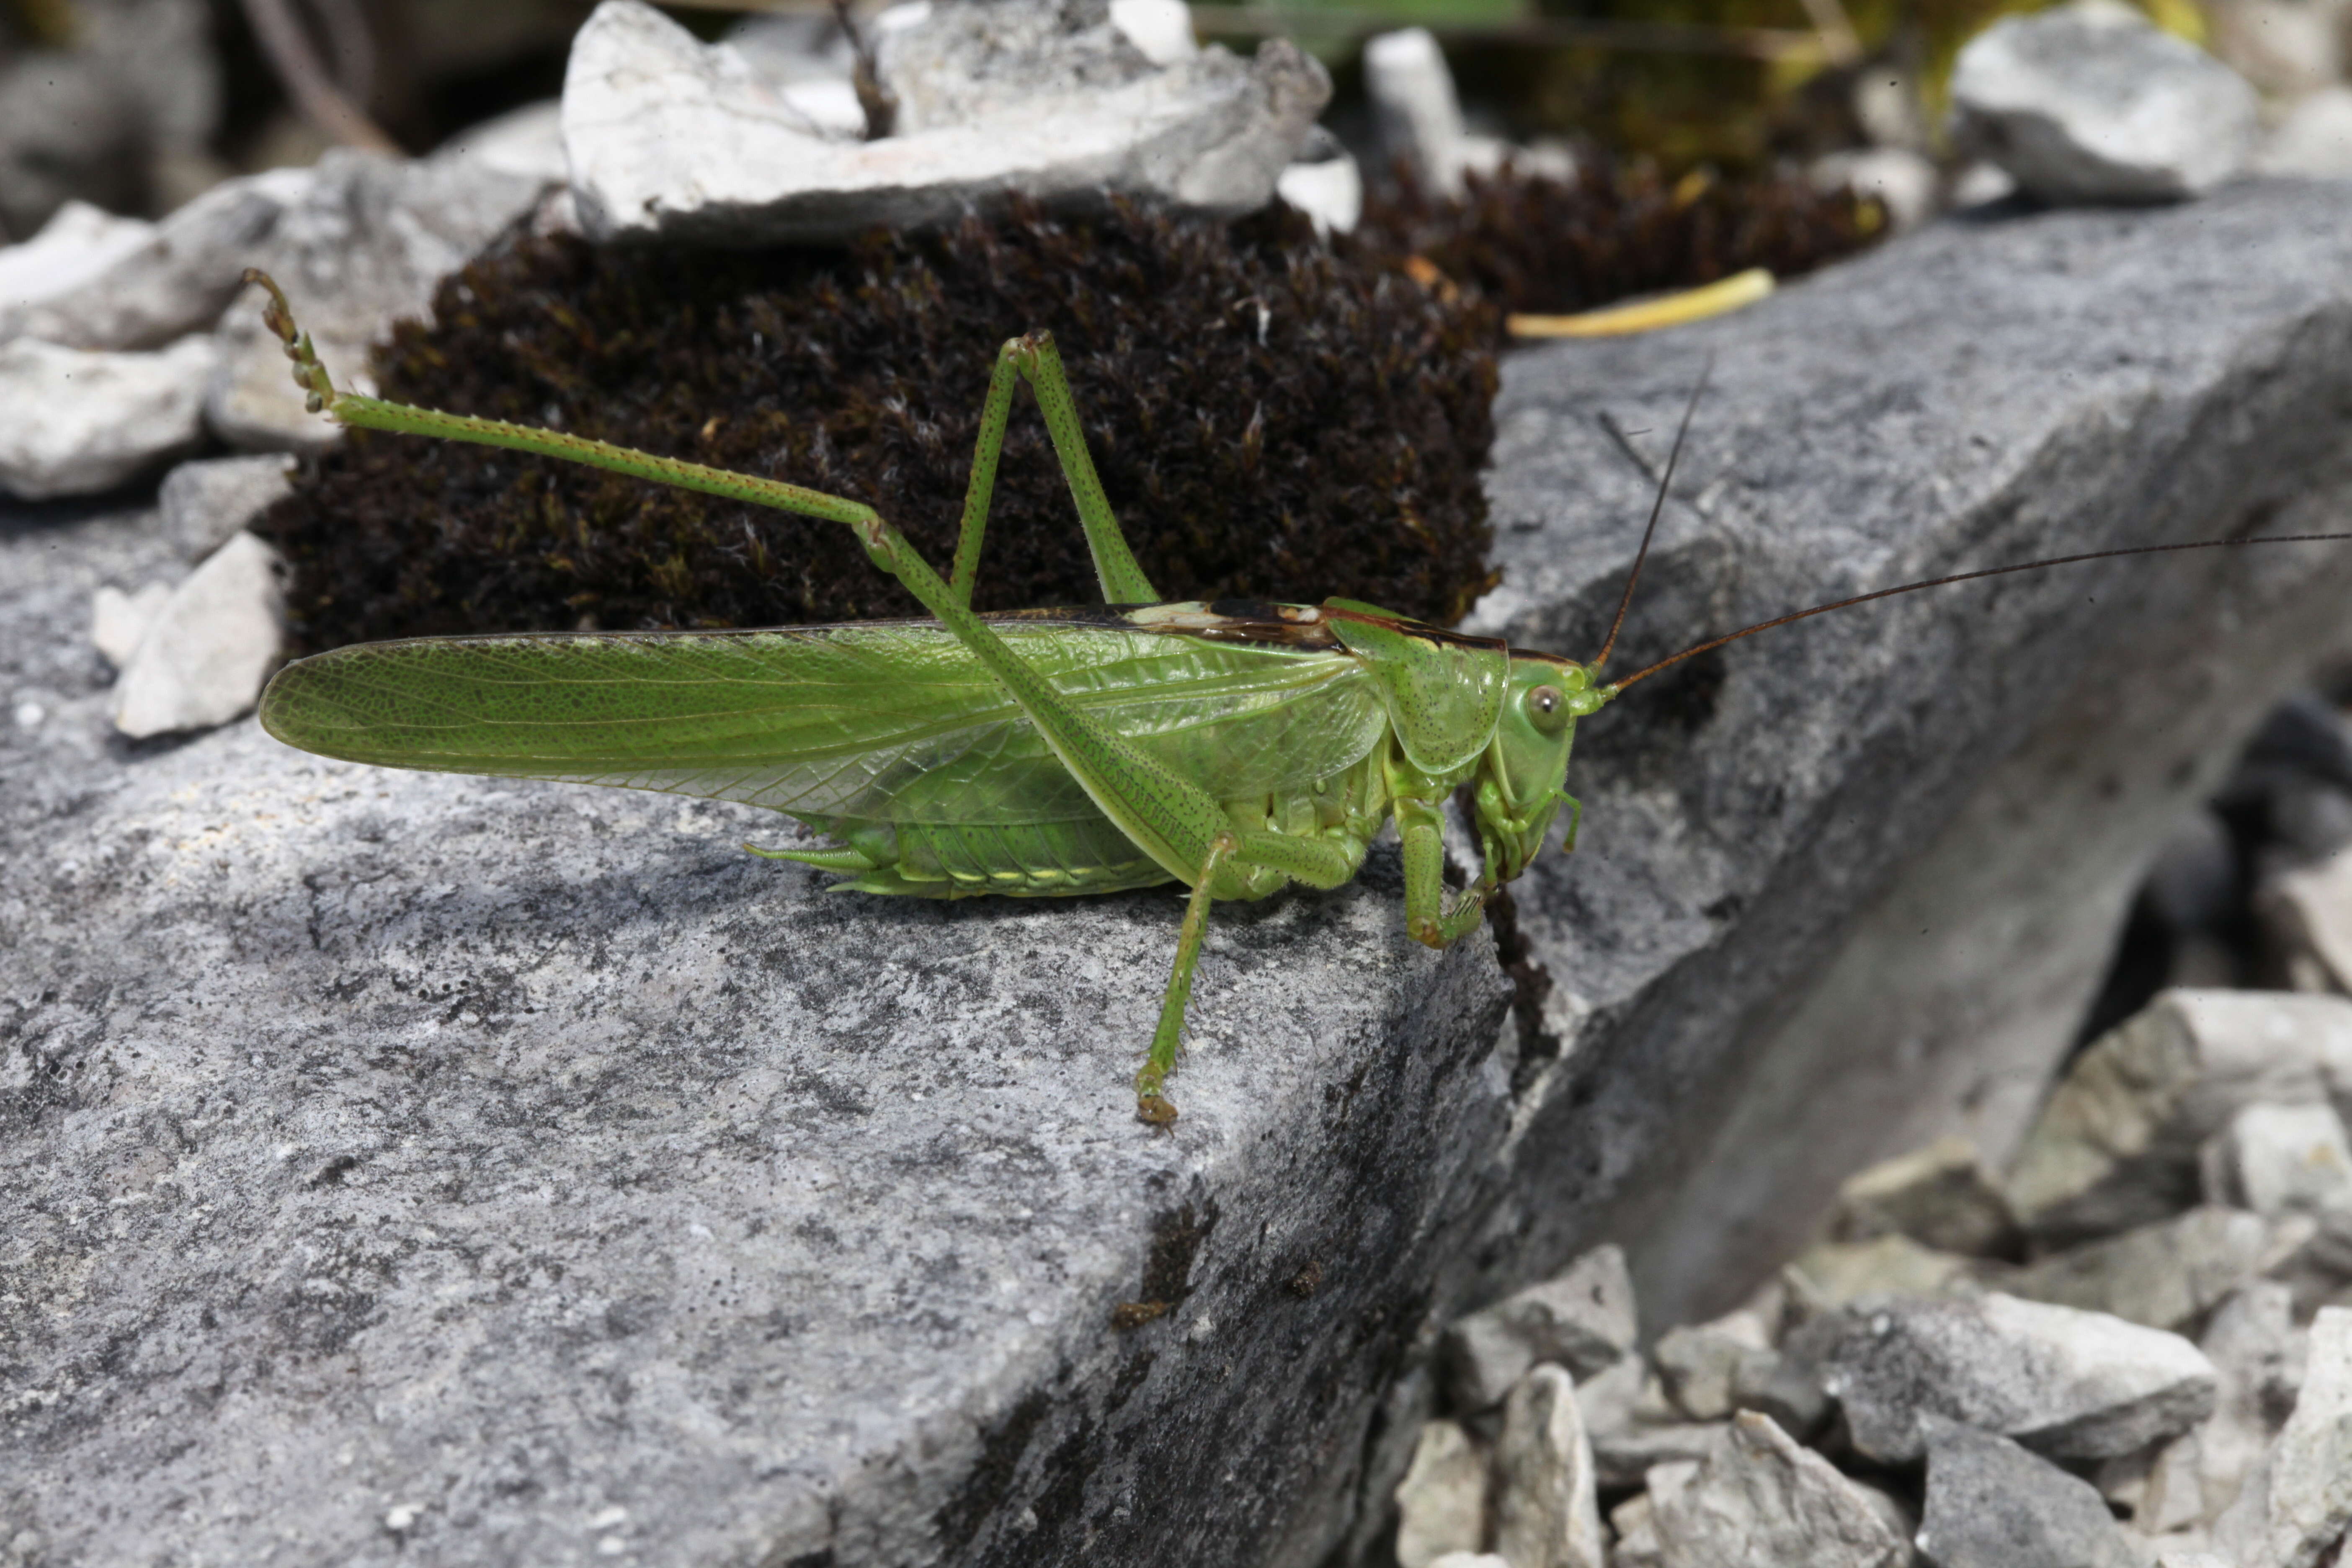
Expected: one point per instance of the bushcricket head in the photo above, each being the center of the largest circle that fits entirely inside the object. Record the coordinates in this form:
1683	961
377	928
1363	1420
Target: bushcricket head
1519	787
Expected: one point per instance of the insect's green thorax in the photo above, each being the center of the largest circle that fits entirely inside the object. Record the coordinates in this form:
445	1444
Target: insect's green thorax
1470	709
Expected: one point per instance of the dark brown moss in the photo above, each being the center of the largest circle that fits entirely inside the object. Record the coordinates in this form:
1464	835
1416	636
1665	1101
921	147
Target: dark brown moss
1271	419
1532	243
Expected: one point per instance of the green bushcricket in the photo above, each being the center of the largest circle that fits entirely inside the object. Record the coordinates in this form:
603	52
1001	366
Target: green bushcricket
1235	748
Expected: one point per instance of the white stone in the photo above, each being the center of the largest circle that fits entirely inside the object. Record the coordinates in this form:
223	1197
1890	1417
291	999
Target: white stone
1903	181
2168	1275
2068	1383
2117	1144
2281	1159
205	501
365	244
1701	1364
174	282
209	649
1330	192
528	141
1763	1501
669	137
2091	102
1940	1197
1420	116
1834	1273
76	421
1582	1318
2252	1344
1636	1530
2298	1503
1547	1509
118	621
2309	912
1160	29
1471	1559
77	243
1442	1501
2314	138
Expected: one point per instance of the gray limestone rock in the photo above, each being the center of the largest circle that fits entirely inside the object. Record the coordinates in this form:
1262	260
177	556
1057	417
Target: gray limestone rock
1762	1500
361	247
118	621
1547	1512
2252	1344
2308	911
1835	1273
2281	1159
204	656
1940	1197
1703	1365
176	281
1442	1501
2297	1503
2091	102
2118	1143
2168	1275
204	503
76	244
630	1179
76	421
2068	1383
1992	1504
670	138
603	1185
1914	982
1583	1320
208	502
951	65
2314	138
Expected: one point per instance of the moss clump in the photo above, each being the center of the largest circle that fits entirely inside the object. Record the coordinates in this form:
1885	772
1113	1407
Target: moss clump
1532	243
1271	419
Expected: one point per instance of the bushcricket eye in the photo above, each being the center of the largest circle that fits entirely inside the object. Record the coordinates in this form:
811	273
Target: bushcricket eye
1547	710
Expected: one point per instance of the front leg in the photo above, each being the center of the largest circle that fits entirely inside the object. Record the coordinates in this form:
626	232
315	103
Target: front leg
1426	919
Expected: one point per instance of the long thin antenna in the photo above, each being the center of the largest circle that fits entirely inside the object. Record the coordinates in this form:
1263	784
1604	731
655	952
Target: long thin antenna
1657	506
1714	643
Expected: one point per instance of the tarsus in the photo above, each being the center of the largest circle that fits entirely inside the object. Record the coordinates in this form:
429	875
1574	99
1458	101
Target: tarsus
1713	643
1657	506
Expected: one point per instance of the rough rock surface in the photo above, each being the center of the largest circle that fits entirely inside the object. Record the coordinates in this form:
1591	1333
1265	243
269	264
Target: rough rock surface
1764	1502
1442	1501
1940	1197
2282	1158
2168	1275
672	138
174	282
557	1029
1583	1320
75	421
2090	102
204	656
1768	971
1547	1514
1992	1504
2297	1504
361	247
2068	1383
2120	1141
699	1211
206	502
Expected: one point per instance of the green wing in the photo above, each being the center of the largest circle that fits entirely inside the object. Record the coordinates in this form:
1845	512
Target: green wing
884	722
